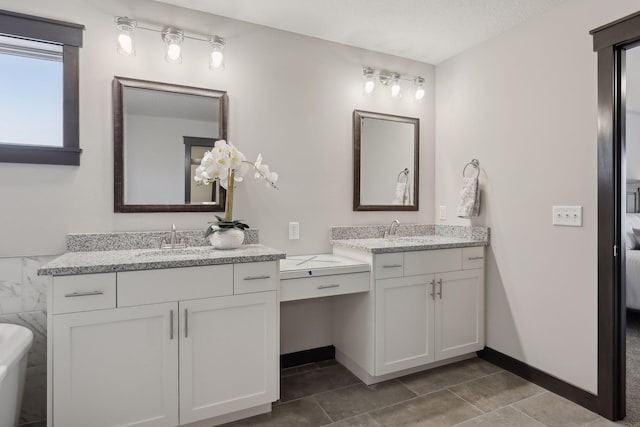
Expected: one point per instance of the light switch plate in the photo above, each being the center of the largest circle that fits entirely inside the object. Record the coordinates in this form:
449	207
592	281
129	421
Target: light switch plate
568	216
294	231
443	212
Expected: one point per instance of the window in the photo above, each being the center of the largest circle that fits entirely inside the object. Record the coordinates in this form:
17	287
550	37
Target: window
39	86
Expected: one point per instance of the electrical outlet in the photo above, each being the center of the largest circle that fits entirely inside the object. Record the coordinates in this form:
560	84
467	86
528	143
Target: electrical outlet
568	216
294	231
443	213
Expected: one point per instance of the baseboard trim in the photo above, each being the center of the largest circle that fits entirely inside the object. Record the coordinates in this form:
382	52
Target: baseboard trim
536	376
307	356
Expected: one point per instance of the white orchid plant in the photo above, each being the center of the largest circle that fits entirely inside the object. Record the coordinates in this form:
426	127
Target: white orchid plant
227	165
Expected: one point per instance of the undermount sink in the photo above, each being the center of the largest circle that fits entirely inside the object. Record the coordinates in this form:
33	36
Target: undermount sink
182	251
409	239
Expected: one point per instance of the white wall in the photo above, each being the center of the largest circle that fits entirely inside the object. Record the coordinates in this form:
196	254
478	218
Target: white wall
525	105
633	144
154	157
291	97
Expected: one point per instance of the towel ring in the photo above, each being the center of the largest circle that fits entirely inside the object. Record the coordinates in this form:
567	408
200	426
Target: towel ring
404	172
475	163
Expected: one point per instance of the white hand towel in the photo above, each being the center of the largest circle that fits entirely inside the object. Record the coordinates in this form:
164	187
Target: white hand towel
399	197
469	198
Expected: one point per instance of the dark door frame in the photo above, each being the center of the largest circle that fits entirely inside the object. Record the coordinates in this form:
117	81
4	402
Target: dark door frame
611	42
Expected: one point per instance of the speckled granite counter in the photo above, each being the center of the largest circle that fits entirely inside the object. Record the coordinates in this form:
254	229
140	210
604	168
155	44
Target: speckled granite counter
412	237
407	244
148	259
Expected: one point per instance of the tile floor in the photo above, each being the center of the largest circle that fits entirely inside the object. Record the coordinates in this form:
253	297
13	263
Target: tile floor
473	393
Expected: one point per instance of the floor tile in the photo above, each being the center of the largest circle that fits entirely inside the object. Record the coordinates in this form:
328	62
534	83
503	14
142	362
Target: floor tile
555	411
438	378
441	408
495	391
505	417
325	363
298	369
316	381
301	413
483	366
359	398
364	420
603	422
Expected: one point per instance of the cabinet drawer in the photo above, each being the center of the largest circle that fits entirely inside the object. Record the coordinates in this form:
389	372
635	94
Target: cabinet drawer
84	292
174	284
389	265
322	286
435	261
473	258
255	277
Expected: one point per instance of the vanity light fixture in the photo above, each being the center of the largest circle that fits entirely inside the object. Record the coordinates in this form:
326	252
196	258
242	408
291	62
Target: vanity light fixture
369	81
126	28
216	61
419	82
391	79
173	39
395	85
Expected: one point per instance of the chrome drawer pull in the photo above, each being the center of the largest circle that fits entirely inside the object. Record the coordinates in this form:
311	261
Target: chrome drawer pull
475	258
257	277
440	292
328	286
171	324
186	323
392	265
83	294
433	289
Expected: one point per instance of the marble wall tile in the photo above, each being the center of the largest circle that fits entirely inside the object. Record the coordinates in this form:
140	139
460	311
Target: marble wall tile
10	285
34	287
34	401
37	322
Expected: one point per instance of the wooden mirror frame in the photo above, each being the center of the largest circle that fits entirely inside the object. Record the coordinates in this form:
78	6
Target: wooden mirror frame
358	115
119	83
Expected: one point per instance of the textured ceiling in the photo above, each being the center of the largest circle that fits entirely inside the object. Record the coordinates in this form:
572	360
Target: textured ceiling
425	30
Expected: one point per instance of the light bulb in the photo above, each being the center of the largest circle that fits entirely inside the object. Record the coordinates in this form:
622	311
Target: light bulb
173	51
126	28
216	60
369	85
125	43
395	89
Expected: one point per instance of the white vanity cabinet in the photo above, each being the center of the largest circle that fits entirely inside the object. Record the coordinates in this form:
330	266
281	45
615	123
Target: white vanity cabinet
427	307
175	346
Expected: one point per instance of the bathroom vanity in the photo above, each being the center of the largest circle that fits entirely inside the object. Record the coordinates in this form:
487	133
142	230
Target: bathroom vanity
425	309
150	337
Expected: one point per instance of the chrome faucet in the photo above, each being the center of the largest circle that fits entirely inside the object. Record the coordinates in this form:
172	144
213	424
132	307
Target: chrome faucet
392	231
173	241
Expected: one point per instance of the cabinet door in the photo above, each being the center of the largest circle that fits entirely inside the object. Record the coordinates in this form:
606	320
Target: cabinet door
404	323
228	354
459	313
116	367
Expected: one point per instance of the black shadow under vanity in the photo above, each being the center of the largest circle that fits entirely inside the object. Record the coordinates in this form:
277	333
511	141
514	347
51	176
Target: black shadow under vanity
161	131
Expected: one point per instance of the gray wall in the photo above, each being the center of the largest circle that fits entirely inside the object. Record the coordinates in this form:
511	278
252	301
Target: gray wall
525	105
291	98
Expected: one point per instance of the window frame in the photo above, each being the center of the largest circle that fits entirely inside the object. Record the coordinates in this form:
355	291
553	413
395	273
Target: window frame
69	36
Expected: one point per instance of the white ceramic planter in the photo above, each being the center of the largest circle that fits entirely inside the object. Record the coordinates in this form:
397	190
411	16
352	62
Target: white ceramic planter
227	239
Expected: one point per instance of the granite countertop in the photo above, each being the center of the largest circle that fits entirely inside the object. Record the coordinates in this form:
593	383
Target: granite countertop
73	263
409	243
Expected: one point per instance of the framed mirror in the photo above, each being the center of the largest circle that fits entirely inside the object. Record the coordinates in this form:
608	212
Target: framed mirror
161	132
386	153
